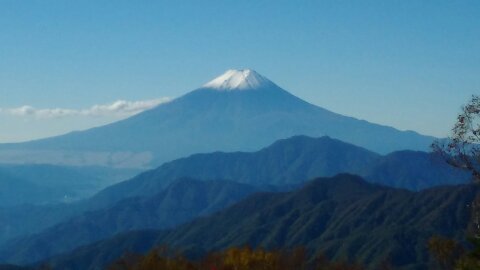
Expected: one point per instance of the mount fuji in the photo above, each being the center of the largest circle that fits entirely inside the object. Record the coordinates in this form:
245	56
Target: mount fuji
239	110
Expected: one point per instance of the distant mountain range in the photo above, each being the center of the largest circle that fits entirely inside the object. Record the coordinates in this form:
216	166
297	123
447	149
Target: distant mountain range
344	217
292	162
284	165
46	184
240	110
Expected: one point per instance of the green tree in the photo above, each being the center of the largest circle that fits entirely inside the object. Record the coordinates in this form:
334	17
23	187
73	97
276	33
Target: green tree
462	150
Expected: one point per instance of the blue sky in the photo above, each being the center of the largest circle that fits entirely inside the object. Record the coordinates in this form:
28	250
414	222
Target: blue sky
407	64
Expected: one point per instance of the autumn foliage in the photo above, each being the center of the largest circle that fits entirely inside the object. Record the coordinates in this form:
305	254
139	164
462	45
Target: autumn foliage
231	259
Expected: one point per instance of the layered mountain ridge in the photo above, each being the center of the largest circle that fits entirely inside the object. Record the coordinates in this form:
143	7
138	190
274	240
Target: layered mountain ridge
139	203
293	161
180	202
343	217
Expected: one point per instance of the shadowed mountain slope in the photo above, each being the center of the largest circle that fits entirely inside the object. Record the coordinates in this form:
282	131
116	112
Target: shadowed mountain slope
182	201
343	216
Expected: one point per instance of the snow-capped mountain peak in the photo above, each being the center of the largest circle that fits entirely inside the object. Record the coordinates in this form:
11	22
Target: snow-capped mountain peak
238	79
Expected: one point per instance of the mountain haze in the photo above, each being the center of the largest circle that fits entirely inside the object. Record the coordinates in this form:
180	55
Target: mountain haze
240	110
47	184
14	191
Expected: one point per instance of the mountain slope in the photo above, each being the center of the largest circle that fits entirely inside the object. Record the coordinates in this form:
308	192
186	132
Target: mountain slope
220	116
343	216
179	203
14	191
13	267
36	196
414	170
44	184
21	220
287	162
291	162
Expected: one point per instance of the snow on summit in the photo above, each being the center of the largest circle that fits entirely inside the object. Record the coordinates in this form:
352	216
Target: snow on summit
242	79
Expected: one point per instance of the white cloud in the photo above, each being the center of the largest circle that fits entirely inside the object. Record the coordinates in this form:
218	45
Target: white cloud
119	108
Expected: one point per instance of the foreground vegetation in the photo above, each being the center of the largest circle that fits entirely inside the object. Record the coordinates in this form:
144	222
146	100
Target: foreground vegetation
232	259
462	150
449	254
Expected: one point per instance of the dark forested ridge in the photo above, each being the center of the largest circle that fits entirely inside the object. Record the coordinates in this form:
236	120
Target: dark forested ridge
13	267
182	201
344	216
